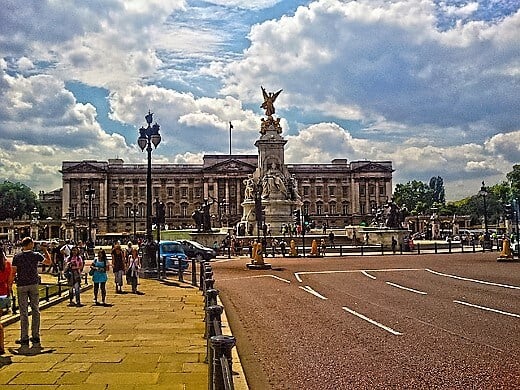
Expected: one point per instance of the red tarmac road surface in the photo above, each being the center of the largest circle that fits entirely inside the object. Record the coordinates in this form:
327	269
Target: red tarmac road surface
392	322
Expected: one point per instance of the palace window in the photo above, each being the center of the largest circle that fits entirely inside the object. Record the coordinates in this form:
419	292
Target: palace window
332	191
114	211
128	192
170	192
362	189
319	208
184	192
372	190
170	210
318	191
382	191
184	210
345	209
332	208
306	191
344	191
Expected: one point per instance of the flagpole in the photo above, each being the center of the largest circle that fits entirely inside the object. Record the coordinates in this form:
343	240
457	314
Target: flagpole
230	127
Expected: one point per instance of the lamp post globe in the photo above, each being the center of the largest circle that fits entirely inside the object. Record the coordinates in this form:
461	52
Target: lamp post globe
147	136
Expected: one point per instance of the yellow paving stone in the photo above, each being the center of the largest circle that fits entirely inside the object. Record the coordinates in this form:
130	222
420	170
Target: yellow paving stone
29	366
142	378
36	378
194	367
81	386
95	357
136	367
6	376
74	367
73	377
173	366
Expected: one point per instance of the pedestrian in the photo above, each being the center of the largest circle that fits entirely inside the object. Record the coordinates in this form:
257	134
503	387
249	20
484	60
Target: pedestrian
6	288
331	239
100	276
74	267
118	266
323	247
283	245
25	268
134	264
47	260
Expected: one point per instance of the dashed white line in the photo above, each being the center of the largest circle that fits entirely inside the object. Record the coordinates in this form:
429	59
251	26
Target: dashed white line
272	276
313	292
488	309
474	280
299	279
359	315
367	274
406	288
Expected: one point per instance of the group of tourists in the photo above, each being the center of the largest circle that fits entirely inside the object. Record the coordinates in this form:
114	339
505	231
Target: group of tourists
23	270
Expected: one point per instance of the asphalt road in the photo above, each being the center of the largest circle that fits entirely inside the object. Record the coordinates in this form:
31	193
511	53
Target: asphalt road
392	322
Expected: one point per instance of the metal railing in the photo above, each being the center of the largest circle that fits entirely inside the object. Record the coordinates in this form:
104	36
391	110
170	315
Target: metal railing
218	347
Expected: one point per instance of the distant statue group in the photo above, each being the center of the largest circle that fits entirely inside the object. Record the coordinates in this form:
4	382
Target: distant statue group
388	215
202	217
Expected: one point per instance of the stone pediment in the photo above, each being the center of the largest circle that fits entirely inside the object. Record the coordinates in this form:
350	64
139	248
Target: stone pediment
230	166
83	167
371	167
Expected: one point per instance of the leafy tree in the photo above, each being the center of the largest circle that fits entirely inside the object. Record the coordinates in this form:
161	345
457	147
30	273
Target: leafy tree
16	199
437	186
415	195
514	181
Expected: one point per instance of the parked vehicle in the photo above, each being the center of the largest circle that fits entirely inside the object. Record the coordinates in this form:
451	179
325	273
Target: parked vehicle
193	249
172	252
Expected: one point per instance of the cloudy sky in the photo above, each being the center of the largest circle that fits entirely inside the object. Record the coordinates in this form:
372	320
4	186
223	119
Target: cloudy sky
432	85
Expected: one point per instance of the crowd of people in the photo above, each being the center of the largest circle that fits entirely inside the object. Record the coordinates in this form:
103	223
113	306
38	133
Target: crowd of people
66	261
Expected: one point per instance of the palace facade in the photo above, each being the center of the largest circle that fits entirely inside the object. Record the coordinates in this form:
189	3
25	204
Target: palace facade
338	194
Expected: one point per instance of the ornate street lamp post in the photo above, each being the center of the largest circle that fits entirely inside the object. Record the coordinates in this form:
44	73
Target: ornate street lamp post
147	136
484	193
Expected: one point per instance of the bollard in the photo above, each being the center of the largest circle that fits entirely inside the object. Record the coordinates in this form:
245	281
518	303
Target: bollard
449	246
362	250
212	313
435	246
382	250
341	250
208	284
418	248
202	264
222	347
47	297
211	297
193	272
180	269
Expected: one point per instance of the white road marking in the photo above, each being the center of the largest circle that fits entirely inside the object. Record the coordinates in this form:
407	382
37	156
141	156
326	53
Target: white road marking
367	274
313	292
272	276
390	330
473	280
299	279
488	309
406	288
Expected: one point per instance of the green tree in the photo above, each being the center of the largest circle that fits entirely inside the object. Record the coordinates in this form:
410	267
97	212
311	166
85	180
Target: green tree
514	181
437	186
415	195
16	199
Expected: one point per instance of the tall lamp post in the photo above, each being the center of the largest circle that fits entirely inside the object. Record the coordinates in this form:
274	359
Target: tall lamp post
147	136
484	193
90	193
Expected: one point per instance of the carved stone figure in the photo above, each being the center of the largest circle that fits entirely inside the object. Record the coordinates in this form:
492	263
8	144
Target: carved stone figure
249	191
269	99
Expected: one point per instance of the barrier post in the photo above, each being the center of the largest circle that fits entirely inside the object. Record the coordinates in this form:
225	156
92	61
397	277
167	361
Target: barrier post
222	347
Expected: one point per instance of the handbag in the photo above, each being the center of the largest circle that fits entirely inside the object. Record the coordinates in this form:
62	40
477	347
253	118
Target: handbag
5	302
91	271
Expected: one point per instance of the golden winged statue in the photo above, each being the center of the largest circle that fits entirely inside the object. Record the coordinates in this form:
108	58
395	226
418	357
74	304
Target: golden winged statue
268	104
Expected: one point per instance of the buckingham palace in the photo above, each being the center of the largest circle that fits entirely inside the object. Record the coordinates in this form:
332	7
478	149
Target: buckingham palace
337	194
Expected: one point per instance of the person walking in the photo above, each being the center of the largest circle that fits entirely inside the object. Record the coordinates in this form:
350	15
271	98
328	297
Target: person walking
100	276
134	263
25	268
75	266
118	266
6	288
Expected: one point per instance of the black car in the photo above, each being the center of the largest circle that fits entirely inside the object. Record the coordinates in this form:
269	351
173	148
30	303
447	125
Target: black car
193	249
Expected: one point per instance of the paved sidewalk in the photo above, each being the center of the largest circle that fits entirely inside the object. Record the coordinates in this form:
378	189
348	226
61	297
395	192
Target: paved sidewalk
150	341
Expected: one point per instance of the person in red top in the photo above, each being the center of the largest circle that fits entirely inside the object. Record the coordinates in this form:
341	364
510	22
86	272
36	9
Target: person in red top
75	265
6	287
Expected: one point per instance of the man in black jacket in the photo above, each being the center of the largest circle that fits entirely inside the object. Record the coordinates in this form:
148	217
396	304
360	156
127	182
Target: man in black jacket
25	266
